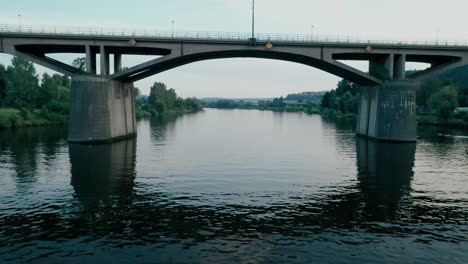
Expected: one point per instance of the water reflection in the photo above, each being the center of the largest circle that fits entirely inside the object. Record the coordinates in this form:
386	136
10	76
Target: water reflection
385	171
25	148
100	172
168	215
162	126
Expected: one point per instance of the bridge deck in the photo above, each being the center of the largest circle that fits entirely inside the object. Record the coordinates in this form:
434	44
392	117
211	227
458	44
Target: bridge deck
85	33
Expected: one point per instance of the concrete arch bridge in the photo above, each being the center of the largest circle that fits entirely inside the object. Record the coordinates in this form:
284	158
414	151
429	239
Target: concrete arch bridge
103	106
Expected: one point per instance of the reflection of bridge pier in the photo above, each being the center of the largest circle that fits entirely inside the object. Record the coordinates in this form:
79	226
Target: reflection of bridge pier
385	171
99	171
103	106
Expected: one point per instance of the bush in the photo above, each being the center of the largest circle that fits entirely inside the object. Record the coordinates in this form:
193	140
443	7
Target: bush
15	121
26	114
5	123
444	102
465	117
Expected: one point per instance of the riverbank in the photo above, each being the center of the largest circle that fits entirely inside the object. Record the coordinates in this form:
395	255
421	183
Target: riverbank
13	118
434	121
171	113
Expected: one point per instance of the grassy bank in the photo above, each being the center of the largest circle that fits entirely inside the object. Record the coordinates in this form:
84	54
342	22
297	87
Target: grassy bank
434	121
168	113
11	118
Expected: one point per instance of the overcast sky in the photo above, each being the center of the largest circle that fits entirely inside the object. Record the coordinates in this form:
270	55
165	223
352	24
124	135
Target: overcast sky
370	19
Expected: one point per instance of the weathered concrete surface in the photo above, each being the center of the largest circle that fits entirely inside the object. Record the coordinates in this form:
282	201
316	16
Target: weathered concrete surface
102	110
387	112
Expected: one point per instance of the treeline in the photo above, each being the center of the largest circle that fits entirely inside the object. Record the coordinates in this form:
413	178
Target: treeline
439	98
240	104
231	104
436	99
277	105
306	97
162	101
26	101
344	99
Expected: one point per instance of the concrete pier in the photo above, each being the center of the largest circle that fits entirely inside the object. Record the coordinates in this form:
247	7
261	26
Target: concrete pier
387	112
102	110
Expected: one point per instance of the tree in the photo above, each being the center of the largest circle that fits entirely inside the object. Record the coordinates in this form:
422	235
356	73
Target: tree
426	90
3	85
80	63
136	91
346	86
343	99
444	102
327	99
348	103
23	84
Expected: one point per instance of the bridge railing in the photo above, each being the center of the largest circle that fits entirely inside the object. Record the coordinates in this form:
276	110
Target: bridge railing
208	35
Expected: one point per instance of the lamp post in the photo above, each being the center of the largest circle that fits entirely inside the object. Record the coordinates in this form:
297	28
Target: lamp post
19	19
253	19
312	32
252	40
172	28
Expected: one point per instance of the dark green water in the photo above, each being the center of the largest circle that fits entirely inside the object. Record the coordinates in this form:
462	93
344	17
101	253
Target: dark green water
234	186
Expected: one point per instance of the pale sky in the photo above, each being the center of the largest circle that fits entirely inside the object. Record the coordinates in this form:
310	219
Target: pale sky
234	78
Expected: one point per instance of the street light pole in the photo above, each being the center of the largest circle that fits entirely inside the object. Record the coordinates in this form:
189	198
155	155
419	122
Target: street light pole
312	32
173	28
19	18
253	19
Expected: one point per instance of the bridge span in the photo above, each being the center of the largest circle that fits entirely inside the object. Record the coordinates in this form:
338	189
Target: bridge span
103	107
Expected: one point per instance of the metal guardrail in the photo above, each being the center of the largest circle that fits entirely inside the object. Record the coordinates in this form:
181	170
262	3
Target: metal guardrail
207	35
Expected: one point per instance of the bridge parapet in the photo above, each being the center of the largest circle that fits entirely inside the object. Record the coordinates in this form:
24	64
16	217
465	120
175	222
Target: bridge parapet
97	32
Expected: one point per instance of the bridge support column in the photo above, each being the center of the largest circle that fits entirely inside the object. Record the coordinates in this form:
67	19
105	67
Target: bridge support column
102	110
104	61
382	67
117	62
387	112
90	60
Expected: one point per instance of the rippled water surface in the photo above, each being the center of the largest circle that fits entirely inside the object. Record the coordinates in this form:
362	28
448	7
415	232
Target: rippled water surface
239	186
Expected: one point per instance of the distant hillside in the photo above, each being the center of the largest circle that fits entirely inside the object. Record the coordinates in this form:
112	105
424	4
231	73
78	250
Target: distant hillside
306	97
458	76
247	100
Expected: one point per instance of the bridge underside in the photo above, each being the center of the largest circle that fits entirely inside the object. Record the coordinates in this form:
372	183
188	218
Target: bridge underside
103	107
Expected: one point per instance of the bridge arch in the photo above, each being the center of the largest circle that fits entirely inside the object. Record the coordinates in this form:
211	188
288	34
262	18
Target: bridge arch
173	61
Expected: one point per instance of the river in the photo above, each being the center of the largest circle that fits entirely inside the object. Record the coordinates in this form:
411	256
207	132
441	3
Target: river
243	186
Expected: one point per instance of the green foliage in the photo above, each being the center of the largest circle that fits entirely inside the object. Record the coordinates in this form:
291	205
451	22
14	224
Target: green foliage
3	84
444	101
165	101
343	99
425	91
49	101
22	84
20	89
306	97
136	92
230	104
80	63
192	105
